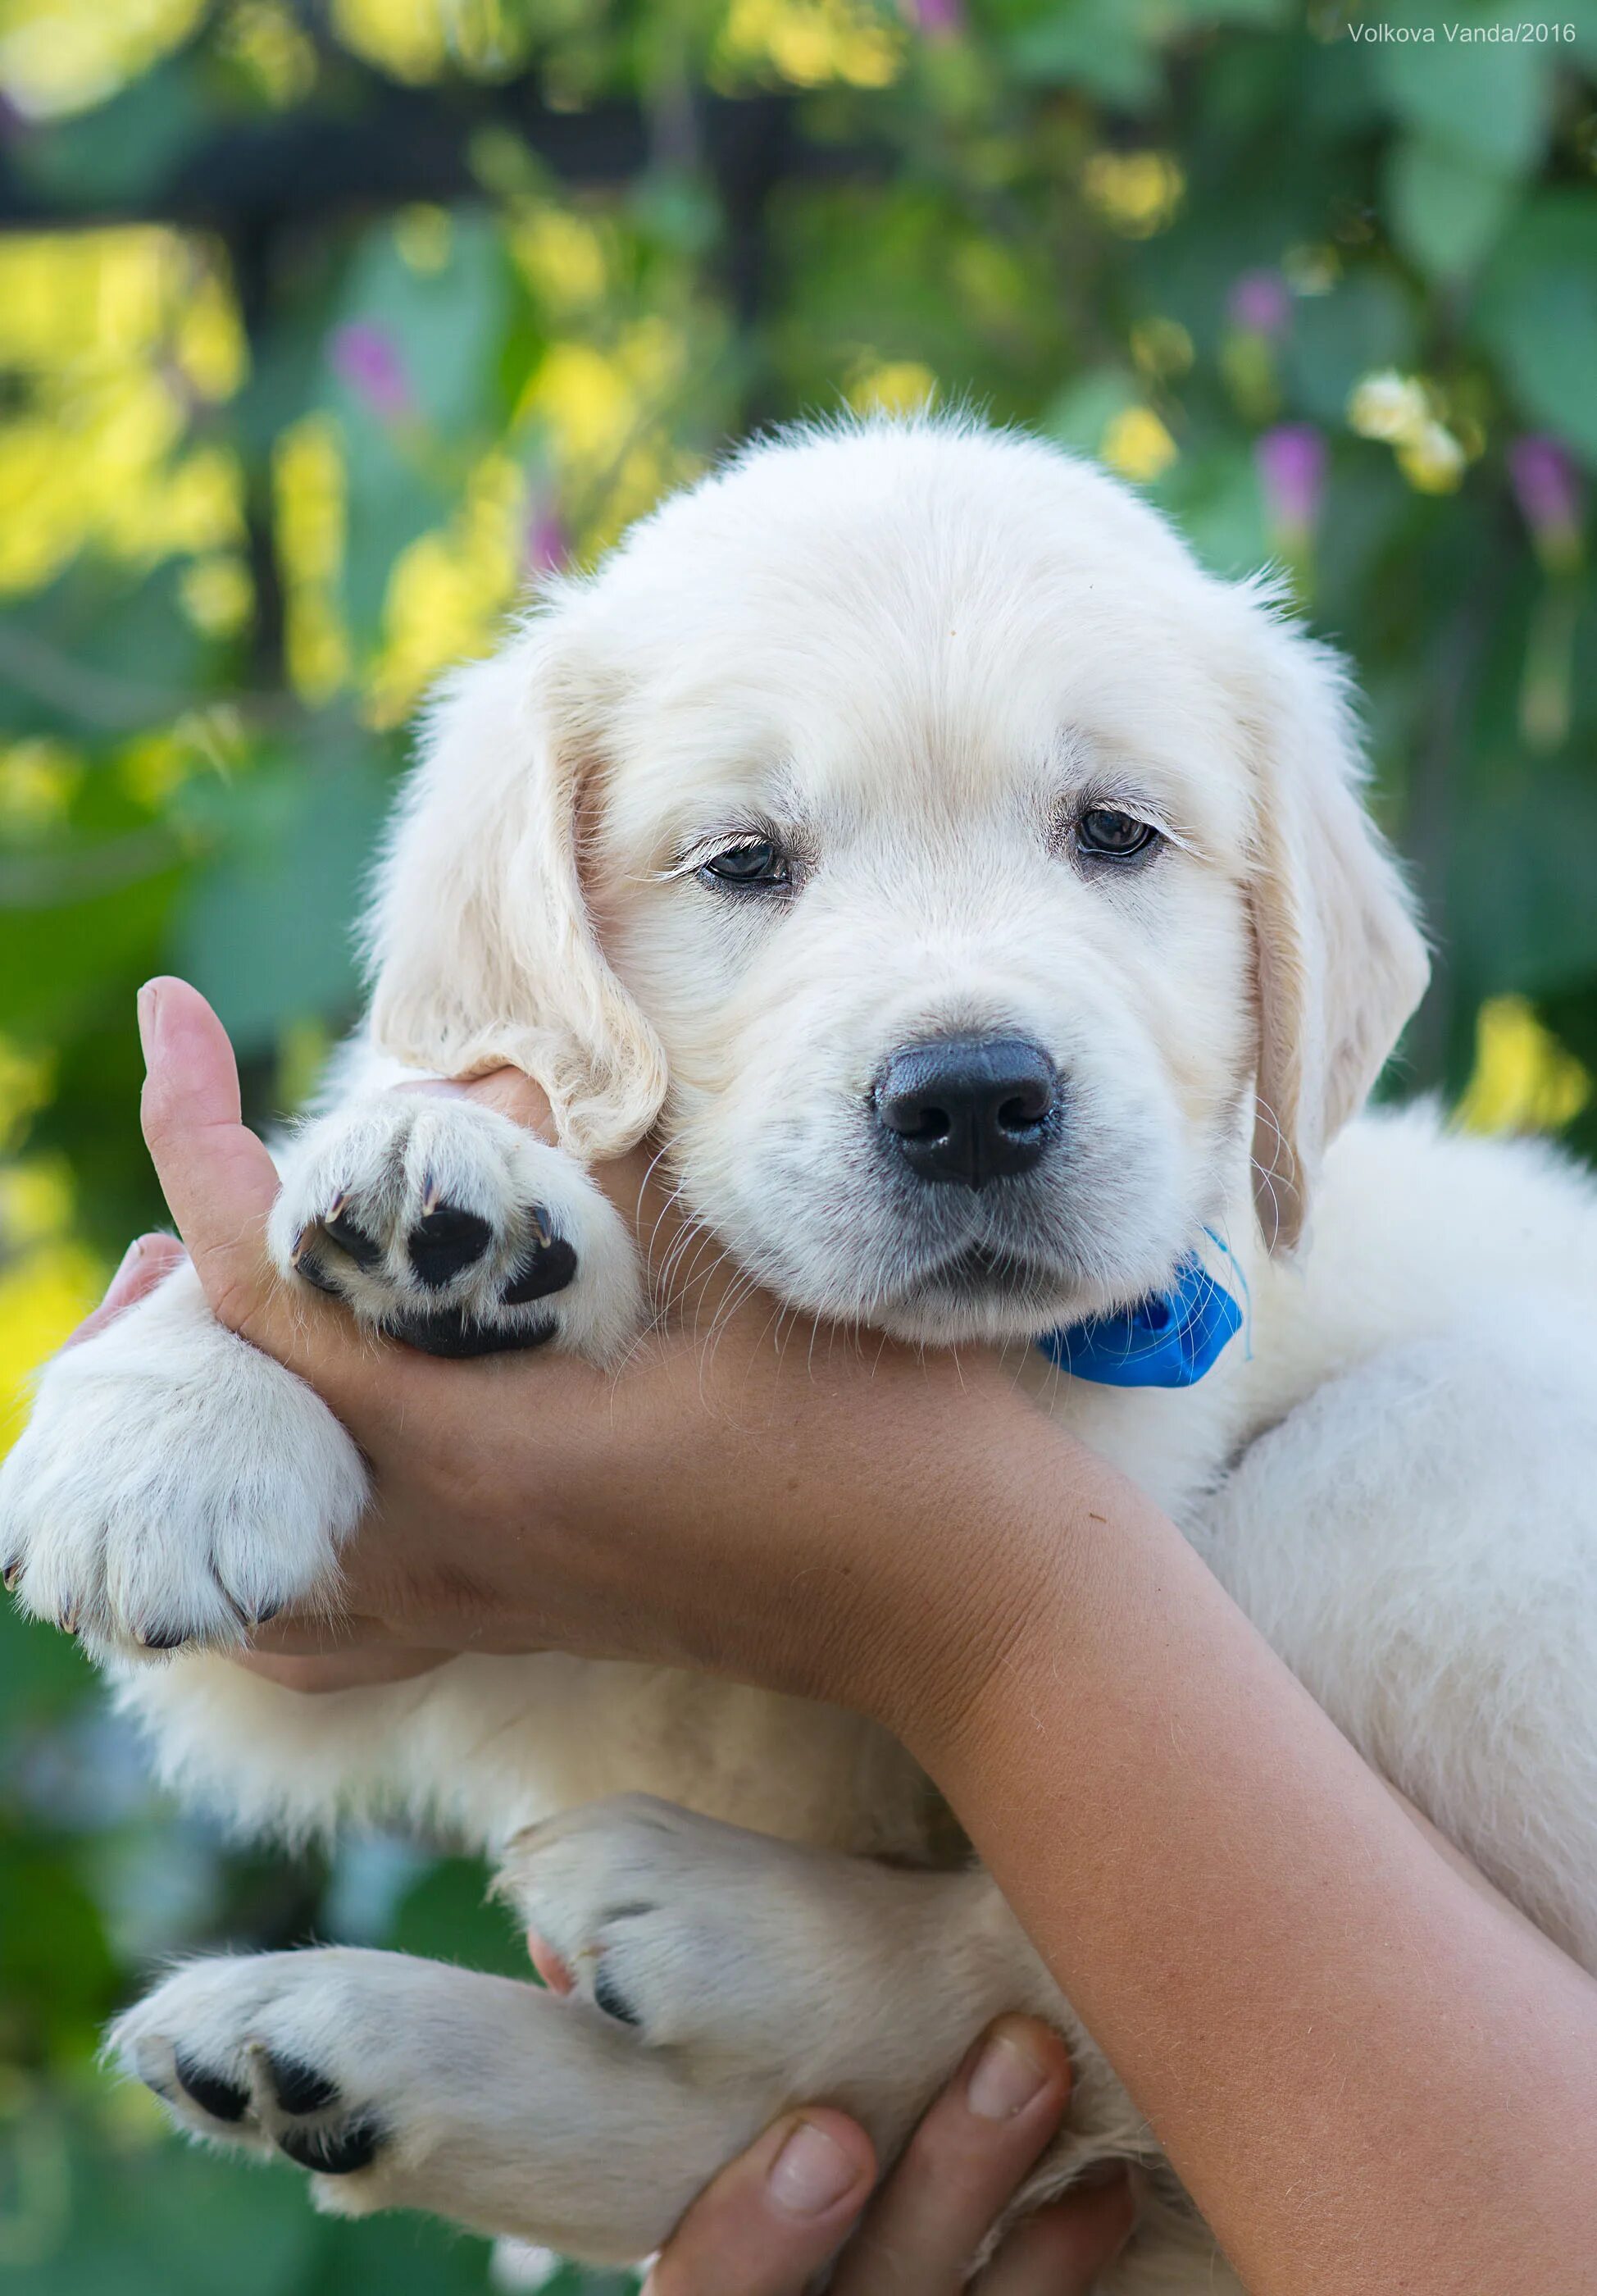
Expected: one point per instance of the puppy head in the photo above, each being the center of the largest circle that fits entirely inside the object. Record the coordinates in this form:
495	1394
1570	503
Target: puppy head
982	876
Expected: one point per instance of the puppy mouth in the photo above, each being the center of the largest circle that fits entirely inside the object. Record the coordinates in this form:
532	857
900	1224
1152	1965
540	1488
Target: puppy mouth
988	1275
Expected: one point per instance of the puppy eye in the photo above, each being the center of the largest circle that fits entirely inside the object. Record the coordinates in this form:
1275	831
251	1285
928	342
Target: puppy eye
755	863
1115	836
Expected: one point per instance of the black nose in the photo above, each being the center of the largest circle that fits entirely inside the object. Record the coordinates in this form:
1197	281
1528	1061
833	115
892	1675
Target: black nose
968	1109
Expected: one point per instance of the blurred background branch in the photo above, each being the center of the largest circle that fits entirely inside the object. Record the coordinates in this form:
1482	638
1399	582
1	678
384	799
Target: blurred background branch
328	326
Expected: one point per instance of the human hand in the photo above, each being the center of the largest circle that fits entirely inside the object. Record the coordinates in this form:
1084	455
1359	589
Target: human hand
522	1508
776	2214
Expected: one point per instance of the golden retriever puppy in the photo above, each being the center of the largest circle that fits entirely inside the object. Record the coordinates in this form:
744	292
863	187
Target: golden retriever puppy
977	898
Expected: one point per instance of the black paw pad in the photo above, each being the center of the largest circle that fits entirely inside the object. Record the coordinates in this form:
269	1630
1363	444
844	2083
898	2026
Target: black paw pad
300	2088
364	1249
335	2152
458	1335
547	1268
609	1996
222	2099
308	1266
445	1242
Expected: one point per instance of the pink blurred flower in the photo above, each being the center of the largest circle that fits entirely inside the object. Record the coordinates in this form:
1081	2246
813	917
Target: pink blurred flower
1291	468
1548	491
938	20
544	546
368	360
1261	301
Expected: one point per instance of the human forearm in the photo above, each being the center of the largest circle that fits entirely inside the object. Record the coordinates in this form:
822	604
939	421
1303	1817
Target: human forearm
1312	2007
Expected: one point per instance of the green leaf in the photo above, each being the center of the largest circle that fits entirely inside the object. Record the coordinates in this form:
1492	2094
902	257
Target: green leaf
1098	45
1447	208
446	1917
266	930
1536	311
1368	321
1487	100
1084	410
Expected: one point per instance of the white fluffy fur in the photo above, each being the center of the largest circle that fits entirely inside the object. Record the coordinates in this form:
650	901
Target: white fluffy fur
913	653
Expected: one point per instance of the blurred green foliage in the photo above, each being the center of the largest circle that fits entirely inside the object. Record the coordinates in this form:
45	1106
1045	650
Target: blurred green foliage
325	327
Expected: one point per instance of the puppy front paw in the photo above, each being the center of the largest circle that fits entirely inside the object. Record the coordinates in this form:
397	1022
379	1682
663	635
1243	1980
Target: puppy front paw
446	1225
174	1487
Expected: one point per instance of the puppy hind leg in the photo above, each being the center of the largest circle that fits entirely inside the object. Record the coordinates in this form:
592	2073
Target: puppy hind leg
400	2083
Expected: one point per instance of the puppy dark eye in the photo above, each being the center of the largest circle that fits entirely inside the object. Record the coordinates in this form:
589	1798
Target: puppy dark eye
753	863
1115	836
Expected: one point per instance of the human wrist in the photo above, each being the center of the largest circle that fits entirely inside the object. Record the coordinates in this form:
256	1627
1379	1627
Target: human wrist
993	1664
985	1553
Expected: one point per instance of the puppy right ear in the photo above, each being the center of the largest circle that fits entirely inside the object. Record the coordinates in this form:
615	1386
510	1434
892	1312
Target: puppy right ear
480	942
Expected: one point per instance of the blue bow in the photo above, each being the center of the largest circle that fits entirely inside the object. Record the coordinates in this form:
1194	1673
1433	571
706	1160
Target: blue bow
1168	1340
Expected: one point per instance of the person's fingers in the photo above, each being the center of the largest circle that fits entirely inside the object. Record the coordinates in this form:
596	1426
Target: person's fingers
220	1185
217	1176
510	1091
1061	2250
355	1667
961	2165
770	2220
146	1260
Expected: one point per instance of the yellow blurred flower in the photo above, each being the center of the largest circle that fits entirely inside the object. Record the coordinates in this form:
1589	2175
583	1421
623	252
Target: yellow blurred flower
1388	405
1137	445
27	1079
1136	193
63	56
406	38
595	403
37	781
560	255
1432	460
217	594
116	332
271	48
896	387
209	341
43	1296
423	235
1161	347
1406	412
813	43
447	591
309	495
35	1203
1523	1081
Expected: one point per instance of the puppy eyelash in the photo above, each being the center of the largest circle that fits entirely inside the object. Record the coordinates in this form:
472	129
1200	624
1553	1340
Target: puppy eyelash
689	858
1069	811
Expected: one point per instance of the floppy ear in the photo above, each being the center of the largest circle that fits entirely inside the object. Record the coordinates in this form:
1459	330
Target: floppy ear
1341	964
480	942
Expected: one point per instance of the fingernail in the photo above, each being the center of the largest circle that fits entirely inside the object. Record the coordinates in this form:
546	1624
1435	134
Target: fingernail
149	998
129	1260
811	2173
1004	2080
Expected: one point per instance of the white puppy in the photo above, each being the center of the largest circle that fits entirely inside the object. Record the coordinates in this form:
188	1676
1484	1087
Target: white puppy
978	898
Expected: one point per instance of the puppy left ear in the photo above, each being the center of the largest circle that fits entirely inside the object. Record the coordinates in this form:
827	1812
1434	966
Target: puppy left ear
481	946
1341	964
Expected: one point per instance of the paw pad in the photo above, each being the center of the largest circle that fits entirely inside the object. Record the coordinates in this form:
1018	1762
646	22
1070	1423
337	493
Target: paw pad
336	2152
222	2099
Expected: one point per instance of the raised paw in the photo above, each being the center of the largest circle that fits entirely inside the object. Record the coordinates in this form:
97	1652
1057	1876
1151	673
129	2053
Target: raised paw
446	1225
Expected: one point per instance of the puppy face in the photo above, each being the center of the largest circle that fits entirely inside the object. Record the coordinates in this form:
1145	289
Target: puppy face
920	780
919	847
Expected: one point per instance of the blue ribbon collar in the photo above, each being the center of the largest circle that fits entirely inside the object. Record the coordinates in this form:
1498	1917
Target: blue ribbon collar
1171	1339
